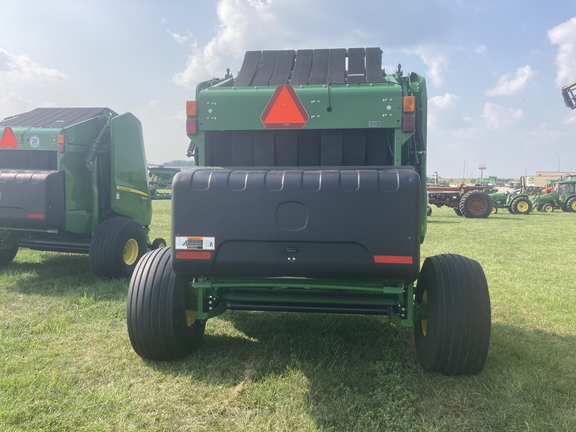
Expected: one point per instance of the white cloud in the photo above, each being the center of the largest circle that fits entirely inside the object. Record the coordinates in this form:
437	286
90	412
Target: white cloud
508	85
242	24
498	117
21	75
15	68
436	59
480	49
441	109
569	119
564	35
183	40
278	24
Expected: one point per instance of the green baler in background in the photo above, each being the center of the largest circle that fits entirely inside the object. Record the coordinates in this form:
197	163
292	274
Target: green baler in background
75	180
309	195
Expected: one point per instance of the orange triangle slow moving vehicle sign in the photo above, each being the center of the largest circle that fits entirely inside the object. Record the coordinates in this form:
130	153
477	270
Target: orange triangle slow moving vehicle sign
8	139
284	110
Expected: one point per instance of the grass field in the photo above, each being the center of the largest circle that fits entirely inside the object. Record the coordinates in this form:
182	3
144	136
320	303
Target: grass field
66	363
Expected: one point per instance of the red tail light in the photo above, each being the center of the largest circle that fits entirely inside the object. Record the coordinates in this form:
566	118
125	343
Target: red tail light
61	144
408	123
8	139
191	126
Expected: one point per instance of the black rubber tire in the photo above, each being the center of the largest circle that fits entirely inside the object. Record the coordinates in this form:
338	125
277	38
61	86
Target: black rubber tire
571	205
521	206
457	211
158	243
494	210
117	245
428	211
455	337
548	208
7	256
475	204
156	314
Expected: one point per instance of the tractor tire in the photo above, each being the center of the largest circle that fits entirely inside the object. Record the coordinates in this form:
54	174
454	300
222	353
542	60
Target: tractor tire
521	205
457	211
548	208
454	337
117	245
475	204
159	325
571	204
7	256
494	210
158	243
428	211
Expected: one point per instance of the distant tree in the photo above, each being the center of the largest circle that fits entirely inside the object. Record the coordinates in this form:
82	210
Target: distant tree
181	162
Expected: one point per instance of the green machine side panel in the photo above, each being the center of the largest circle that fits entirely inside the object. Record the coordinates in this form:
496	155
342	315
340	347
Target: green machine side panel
130	194
327	107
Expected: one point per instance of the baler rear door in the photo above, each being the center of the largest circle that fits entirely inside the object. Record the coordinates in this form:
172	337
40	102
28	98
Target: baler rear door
32	199
354	223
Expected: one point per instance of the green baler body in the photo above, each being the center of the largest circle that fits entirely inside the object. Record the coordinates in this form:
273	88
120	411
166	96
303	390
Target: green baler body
101	159
311	114
369	116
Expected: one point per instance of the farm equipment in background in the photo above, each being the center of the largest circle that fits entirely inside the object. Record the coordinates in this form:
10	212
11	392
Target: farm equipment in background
516	203
566	194
546	202
309	195
568	95
160	180
467	201
74	180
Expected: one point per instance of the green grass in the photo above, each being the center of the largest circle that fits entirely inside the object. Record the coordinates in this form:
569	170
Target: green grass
66	362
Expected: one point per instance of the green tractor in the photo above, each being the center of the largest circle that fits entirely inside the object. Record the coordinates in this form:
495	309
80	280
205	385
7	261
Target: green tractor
74	180
518	202
309	195
545	202
563	197
566	194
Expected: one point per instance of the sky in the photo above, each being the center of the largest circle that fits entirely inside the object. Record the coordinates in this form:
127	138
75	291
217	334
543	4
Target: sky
494	68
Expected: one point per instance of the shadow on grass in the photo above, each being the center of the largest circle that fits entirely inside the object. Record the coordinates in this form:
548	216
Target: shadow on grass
56	274
361	373
351	370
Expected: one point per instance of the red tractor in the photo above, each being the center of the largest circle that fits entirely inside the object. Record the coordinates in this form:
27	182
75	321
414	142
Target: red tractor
467	201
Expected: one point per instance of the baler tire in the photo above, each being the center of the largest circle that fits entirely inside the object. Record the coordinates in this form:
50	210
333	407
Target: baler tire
117	245
521	206
571	204
158	243
7	256
475	204
159	326
455	336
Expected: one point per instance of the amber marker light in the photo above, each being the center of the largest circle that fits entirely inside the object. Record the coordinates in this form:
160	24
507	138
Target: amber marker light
191	108
408	104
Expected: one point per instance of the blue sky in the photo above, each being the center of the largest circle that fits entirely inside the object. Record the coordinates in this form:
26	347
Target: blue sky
494	67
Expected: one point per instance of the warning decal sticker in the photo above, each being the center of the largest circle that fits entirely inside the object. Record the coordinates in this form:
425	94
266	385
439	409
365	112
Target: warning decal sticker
194	243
